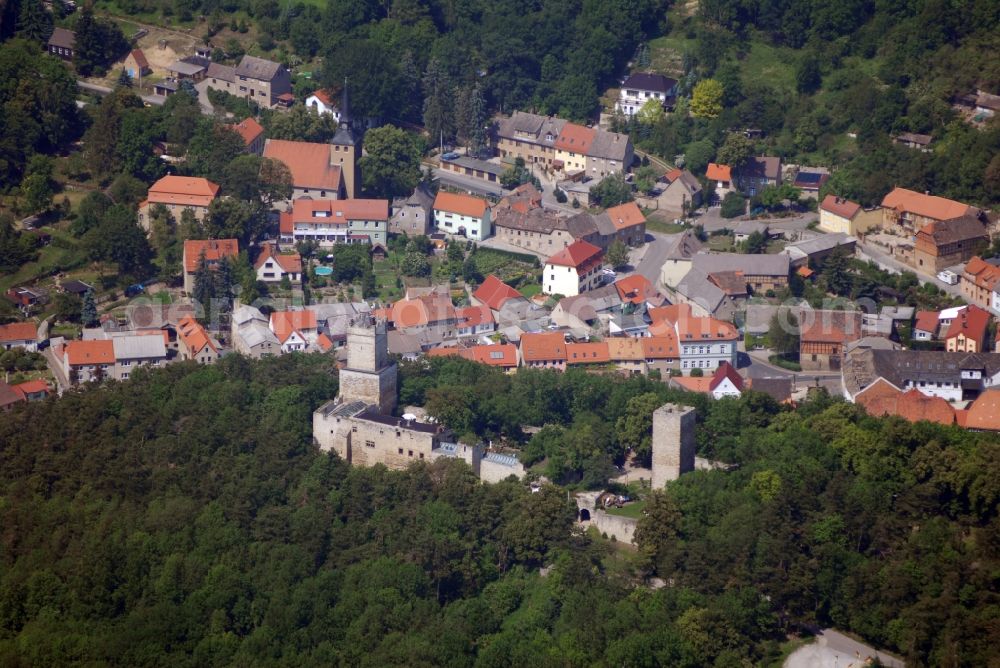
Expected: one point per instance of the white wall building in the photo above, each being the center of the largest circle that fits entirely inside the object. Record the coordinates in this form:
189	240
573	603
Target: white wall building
640	88
462	215
705	343
573	270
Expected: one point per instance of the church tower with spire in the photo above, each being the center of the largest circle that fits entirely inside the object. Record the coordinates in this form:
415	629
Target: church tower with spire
345	149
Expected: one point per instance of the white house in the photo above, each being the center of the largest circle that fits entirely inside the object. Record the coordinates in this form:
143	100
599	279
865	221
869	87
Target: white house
332	222
323	103
19	335
640	88
462	215
475	320
706	342
272	266
295	330
573	270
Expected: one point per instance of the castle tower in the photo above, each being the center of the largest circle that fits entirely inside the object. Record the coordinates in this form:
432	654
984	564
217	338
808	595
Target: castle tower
370	376
673	443
345	149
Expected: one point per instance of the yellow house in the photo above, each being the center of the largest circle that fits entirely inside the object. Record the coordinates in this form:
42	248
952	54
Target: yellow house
572	147
837	214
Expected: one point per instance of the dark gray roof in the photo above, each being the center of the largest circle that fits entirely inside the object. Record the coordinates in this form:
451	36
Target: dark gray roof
481	165
182	67
62	38
371	414
766	166
219	71
866	365
779	389
684	246
697	288
750	265
963	228
651	82
545	221
257	68
522	123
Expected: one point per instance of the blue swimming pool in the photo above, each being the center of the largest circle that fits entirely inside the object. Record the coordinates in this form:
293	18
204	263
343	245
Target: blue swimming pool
323	271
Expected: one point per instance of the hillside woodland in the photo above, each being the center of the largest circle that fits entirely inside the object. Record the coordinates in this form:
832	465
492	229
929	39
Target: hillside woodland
184	518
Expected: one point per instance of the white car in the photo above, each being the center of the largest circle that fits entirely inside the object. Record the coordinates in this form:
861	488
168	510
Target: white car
948	276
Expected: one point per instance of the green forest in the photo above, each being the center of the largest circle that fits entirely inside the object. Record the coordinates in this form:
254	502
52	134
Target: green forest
183	517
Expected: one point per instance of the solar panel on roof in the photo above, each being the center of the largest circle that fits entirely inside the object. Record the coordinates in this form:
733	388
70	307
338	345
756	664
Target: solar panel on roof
808	177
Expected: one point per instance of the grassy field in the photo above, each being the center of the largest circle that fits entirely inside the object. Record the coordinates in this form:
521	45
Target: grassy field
666	54
770	66
633	510
663	227
530	290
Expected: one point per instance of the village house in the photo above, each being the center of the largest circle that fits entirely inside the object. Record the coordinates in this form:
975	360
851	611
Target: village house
316	173
759	173
809	180
323	102
86	361
572	146
110	357
331	222
638	291
195	343
136	66
815	251
908	211
264	82
132	352
251	333
722	178
177	194
967	332
213	250
413	215
952	376
474	321
499	355
32	390
978	279
589	311
495	294
946	243
573	270
273	266
579	354
725	382
681	193
252	134
296	331
642	87
191	68
823	337
19	335
530	137
914	141
926	326
546	231
705	342
841	216
629	222
62	43
433	310
719	283
678	259
559	146
882	398
544	350
462	215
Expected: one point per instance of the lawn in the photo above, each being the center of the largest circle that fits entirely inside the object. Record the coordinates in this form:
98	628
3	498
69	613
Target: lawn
767	65
663	227
666	54
633	510
530	290
721	243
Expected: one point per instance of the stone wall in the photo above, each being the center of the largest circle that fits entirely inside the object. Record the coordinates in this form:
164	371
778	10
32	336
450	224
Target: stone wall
673	443
377	388
491	471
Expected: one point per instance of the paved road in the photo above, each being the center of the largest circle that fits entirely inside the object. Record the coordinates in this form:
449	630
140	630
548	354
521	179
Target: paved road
835	650
712	220
894	266
104	90
653	255
62	383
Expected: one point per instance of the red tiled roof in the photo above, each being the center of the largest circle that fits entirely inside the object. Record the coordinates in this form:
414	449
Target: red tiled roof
575	138
323	96
501	355
881	398
308	162
194	337
423	310
660	347
841	207
214	250
337	212
984	274
984	413
324	342
694	329
495	293
804	271
290	263
718	172
543	347
249	129
9	395
634	289
183	191
626	215
33	386
673	175
473	316
970	323
578	255
140	58
927	321
283	323
464	205
726	370
702	384
587	353
831	327
90	352
625	349
929	206
18	331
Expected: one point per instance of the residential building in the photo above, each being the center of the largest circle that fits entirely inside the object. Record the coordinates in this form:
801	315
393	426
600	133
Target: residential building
839	215
413	216
926	326
573	270
978	280
677	262
815	251
62	43
914	141
330	222
759	173
545	350
500	355
967	332
705	342
296	331
945	243
136	66
251	333
273	266
86	361
315	168
177	194
629	222
19	335
495	294
555	145
185	69
213	250
579	354
823	337
718	283
522	199
25	298
132	352
546	231
680	193
433	309
722	177
809	180
261	81
662	352
323	102
725	382
484	170
951	376
610	153
588	311
627	354
530	137
462	215
744	228
475	321
882	398
195	343
32	390
252	133
638	291
909	211
639	88
983	414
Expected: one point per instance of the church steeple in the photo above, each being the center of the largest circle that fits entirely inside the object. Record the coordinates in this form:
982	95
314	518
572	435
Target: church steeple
345	148
345	107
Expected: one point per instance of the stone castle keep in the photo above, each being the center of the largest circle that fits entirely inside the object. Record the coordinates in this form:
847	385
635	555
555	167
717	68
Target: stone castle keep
673	443
359	425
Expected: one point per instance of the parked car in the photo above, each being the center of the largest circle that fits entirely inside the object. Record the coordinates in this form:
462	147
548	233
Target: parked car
948	276
449	156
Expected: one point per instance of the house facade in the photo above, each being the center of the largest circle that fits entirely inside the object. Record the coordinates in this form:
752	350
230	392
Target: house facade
823	338
328	222
640	88
722	177
195	343
545	350
273	266
324	103
261	81
759	173
462	215
177	194
136	66
945	243
573	270
316	172
251	334
908	211
705	342
978	280
556	145
413	216
19	335
839	215
252	134
62	43
682	192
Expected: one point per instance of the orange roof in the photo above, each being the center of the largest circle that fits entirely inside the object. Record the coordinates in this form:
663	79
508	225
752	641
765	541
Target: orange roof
970	323
634	289
308	162
290	263
705	329
495	293
214	250
718	172
90	352
663	318
183	191
984	413
625	349
324	342
804	271
587	353
473	316
831	327
702	384
140	58
423	310
283	323
194	336
32	387
880	389
673	175
575	138
929	206
18	331
962	416
323	96
841	207
337	212
660	347
543	347
912	405
580	255
249	129
927	321
984	274
502	355
464	205
626	215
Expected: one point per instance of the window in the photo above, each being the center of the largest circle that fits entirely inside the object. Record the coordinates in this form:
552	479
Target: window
354	429
400	450
369	444
411	452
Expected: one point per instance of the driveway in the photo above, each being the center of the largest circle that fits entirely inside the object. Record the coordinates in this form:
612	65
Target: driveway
62	382
893	266
471	184
833	649
712	221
